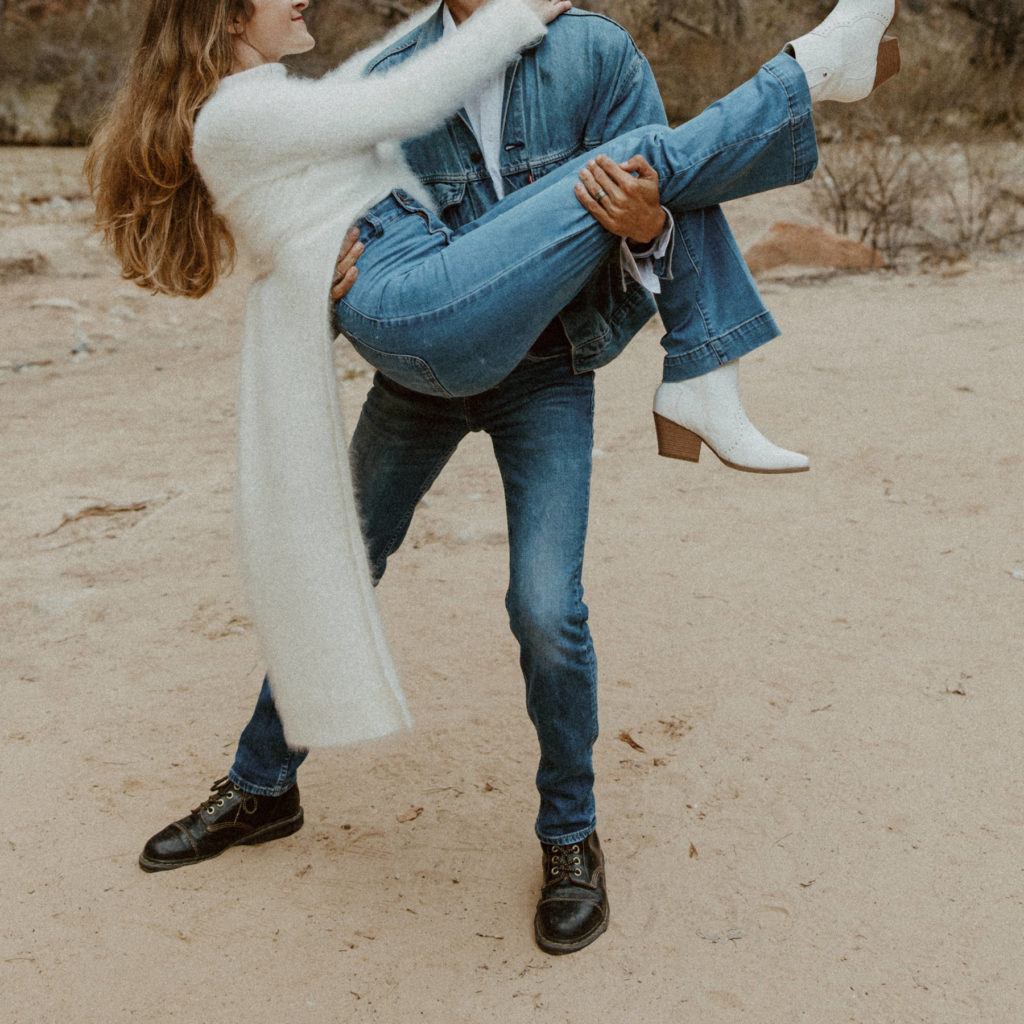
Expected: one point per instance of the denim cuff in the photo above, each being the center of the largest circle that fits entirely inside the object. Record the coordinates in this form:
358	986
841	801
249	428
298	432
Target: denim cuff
721	350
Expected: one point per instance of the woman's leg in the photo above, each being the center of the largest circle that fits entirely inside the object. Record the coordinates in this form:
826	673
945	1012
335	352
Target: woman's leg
472	303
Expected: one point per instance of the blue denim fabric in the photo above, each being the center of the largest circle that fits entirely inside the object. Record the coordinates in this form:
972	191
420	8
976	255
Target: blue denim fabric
540	421
587	83
452	313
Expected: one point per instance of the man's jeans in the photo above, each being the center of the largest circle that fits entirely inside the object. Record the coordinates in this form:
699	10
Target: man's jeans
541	424
451	313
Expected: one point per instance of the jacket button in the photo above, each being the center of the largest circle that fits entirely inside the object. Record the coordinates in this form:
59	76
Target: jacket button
476	157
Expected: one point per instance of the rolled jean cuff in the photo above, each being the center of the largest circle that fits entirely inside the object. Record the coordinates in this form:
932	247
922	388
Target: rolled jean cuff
257	790
718	351
569	838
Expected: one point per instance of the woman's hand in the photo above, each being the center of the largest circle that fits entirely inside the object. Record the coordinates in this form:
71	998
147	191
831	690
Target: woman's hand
548	10
345	272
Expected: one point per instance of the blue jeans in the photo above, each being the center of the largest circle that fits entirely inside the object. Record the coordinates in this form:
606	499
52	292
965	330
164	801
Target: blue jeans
540	420
452	313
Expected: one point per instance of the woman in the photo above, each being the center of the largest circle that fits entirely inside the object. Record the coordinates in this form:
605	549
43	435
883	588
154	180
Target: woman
291	164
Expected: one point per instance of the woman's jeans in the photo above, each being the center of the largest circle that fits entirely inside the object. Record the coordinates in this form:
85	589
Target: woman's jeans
452	313
540	420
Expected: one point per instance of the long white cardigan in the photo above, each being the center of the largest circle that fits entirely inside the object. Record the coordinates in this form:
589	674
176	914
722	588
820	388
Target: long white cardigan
291	164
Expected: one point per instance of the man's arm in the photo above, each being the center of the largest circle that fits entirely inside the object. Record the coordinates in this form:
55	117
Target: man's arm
631	207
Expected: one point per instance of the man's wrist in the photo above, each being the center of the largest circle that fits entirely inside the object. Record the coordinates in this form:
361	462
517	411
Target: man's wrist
657	240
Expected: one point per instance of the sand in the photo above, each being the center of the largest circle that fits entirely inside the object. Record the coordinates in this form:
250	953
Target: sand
809	776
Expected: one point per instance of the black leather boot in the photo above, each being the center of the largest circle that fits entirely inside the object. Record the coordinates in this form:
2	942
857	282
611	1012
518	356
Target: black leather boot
230	817
573	906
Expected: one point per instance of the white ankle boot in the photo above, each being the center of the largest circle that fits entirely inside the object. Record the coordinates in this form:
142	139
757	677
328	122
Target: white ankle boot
848	55
708	409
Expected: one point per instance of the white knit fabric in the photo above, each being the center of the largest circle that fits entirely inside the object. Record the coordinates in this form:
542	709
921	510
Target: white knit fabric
291	164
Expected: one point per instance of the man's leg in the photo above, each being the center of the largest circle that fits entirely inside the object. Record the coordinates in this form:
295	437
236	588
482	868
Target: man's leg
401	443
541	425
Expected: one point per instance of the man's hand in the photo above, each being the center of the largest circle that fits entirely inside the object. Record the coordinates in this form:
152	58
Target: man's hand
345	272
629	204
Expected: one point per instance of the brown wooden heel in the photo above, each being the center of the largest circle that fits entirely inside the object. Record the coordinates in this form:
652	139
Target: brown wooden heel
676	442
888	60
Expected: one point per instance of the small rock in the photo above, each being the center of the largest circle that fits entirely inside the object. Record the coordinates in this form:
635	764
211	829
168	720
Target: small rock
733	935
54	605
788	244
24	264
1018	574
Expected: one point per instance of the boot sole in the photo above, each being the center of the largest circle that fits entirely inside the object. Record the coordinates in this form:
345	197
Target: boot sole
275	830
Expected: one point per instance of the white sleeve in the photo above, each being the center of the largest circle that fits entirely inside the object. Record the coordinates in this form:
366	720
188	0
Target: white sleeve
300	119
640	265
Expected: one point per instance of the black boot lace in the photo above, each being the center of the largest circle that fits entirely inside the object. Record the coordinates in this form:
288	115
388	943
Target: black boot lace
223	789
566	863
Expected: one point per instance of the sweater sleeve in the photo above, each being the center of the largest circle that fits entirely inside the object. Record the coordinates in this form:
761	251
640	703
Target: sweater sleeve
296	119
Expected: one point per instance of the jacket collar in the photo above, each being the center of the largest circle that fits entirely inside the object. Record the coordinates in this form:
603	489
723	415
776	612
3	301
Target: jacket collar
432	29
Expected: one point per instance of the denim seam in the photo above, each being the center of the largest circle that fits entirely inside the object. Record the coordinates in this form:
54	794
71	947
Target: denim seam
709	334
409	362
802	167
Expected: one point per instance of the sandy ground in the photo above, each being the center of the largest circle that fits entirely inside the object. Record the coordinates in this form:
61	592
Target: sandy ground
810	786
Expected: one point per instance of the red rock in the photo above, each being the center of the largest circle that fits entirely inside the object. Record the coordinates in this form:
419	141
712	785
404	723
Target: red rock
803	246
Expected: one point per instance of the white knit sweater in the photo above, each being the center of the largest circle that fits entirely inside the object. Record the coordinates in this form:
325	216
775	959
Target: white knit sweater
291	164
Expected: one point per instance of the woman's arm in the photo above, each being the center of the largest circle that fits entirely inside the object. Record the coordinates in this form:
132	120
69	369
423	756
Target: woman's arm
295	119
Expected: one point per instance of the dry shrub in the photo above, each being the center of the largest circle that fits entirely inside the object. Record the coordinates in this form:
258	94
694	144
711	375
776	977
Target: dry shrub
872	191
978	199
945	200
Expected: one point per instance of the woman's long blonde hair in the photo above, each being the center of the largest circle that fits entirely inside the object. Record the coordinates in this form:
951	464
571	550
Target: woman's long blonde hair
151	204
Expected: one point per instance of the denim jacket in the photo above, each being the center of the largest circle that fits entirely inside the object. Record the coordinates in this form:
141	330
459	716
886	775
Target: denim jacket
584	84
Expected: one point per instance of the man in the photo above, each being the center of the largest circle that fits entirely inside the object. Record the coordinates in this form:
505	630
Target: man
584	84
